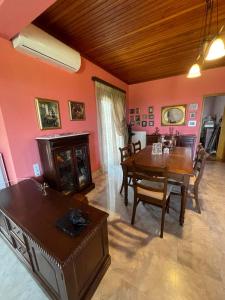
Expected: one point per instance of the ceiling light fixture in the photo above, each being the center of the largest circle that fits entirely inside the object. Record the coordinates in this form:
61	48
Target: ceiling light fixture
209	48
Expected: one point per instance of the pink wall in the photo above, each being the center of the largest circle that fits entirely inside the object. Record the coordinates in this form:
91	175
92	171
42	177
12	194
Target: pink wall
16	14
22	78
175	90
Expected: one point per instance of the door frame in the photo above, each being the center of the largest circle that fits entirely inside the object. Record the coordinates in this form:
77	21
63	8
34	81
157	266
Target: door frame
203	106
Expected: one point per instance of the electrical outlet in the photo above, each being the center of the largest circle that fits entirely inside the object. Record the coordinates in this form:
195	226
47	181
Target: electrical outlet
36	170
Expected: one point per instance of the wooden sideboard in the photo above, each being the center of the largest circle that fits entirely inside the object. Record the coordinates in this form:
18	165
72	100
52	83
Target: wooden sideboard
67	268
66	162
185	140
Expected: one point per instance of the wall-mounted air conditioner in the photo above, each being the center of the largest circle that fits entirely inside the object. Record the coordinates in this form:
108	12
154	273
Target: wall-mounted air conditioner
34	41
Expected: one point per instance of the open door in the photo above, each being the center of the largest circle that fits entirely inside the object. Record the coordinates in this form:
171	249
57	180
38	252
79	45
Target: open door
220	154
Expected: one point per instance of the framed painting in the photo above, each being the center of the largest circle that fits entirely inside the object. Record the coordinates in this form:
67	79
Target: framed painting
144	123
173	115
150	109
77	111
48	113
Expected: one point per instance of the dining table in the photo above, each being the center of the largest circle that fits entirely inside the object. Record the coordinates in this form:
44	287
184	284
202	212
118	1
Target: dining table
178	162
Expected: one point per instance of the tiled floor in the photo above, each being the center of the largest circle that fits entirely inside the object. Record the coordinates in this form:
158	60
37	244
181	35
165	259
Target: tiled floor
188	263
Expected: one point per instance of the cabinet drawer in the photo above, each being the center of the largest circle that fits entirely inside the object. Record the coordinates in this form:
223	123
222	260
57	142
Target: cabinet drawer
21	249
17	231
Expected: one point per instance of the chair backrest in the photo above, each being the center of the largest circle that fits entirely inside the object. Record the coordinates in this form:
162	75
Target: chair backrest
136	147
200	165
158	176
199	147
125	152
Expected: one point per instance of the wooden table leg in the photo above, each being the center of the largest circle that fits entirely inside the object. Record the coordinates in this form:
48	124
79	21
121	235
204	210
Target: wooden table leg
125	181
184	190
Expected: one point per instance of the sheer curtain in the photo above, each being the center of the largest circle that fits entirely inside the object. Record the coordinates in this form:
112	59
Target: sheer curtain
112	128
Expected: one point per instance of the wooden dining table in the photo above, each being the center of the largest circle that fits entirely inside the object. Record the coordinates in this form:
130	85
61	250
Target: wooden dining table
179	165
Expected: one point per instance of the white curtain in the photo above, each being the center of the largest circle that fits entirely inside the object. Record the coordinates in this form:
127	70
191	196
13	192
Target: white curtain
112	128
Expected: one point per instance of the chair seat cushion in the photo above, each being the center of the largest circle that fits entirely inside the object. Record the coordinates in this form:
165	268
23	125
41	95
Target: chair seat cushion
153	194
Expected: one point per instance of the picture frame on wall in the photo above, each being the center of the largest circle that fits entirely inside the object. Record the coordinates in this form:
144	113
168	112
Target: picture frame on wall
192	115
144	123
137	110
132	111
151	116
144	117
151	123
48	113
193	106
173	115
138	123
137	118
192	123
132	119
77	111
150	109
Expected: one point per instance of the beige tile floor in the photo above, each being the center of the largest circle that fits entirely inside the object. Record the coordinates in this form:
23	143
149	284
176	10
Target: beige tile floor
188	263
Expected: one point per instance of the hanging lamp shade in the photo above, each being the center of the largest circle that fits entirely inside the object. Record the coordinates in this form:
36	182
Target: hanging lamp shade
216	49
194	71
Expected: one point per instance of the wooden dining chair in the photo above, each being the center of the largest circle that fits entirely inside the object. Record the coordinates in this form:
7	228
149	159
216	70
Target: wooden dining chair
125	153
198	148
136	147
193	189
150	186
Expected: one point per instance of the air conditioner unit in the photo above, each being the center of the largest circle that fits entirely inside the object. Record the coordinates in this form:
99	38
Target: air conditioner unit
34	41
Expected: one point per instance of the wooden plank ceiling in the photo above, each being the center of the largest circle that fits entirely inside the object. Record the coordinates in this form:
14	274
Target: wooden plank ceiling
134	40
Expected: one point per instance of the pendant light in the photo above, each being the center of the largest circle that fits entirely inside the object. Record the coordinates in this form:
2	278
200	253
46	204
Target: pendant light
216	48
195	71
210	49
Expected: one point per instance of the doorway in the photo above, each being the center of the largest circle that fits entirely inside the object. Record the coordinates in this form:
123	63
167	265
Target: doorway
213	126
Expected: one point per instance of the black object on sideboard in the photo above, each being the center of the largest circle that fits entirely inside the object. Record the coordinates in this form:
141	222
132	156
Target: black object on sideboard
66	162
185	140
66	268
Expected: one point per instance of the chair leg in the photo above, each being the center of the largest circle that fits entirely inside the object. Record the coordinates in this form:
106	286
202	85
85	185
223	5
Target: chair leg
197	200
168	205
122	186
134	211
162	221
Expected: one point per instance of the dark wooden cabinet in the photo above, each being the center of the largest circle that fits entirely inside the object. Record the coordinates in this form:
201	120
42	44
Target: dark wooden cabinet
66	162
67	268
185	140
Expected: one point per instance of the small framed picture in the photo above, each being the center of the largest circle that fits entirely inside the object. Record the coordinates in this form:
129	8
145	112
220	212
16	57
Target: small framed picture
144	123
150	109
151	123
151	116
137	118
193	106
132	119
77	111
132	123
192	115
157	148
192	123
137	110
132	111
138	123
144	117
48	113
